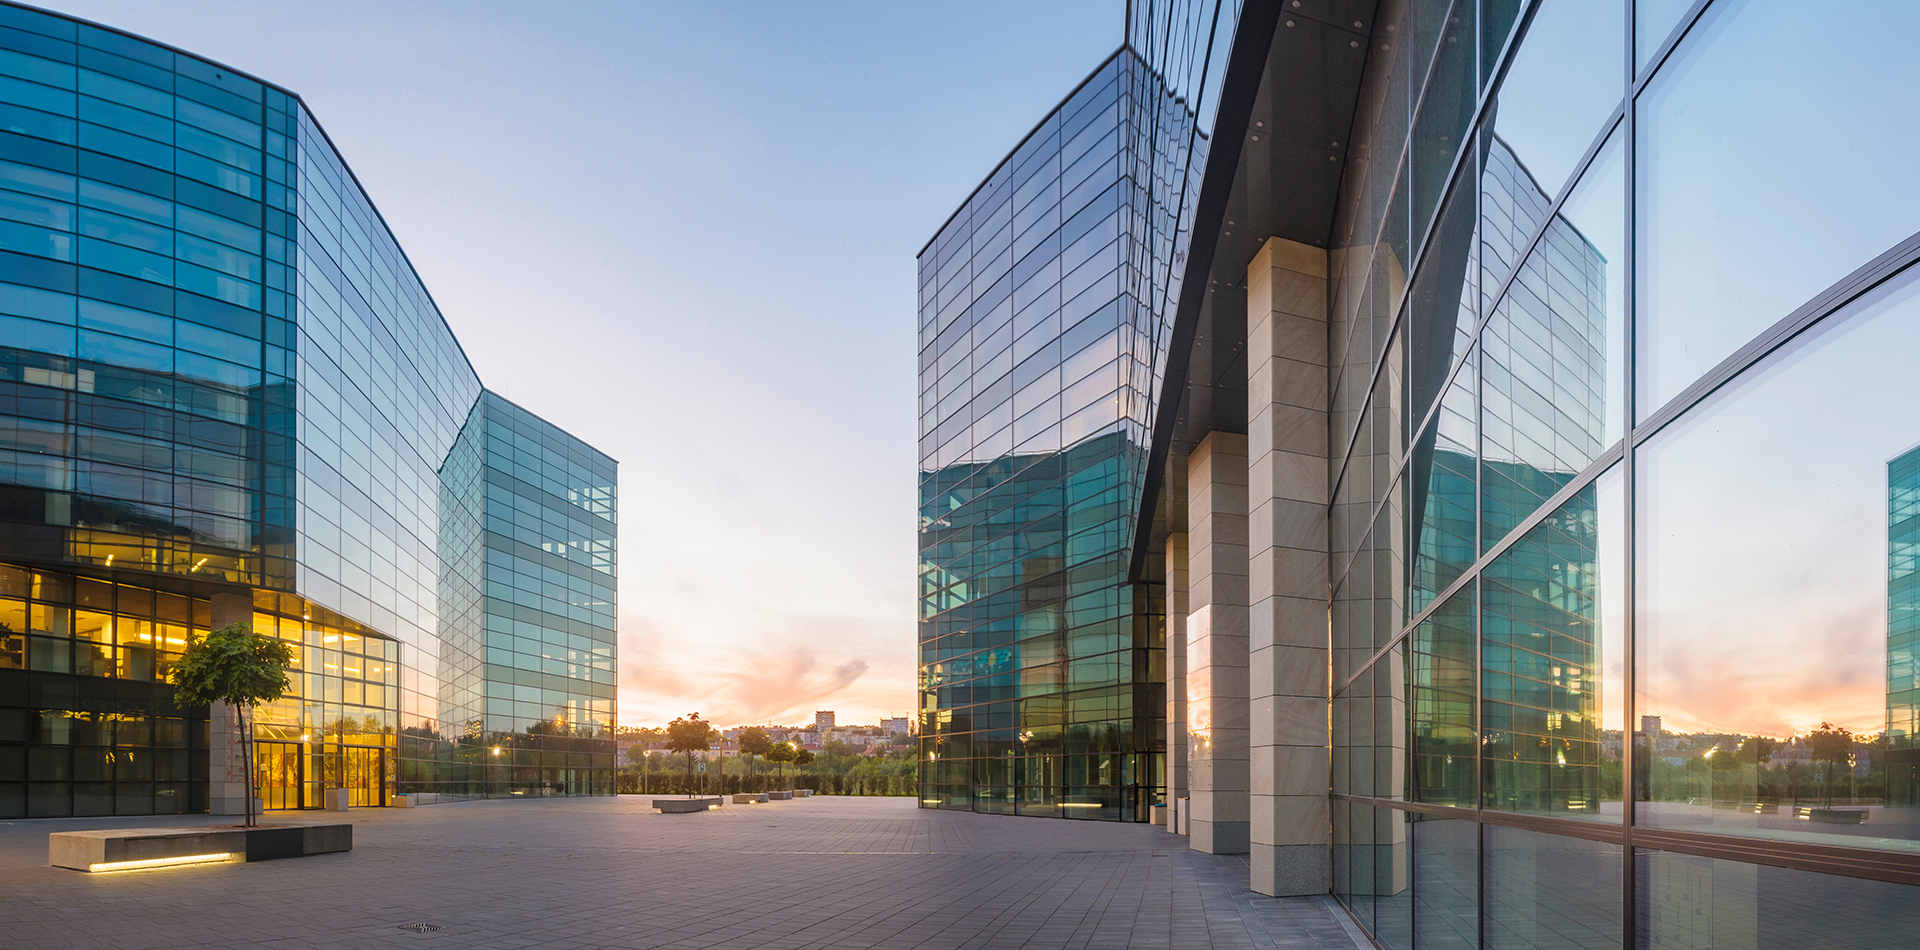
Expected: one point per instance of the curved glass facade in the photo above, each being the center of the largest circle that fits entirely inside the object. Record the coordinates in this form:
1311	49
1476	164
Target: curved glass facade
228	397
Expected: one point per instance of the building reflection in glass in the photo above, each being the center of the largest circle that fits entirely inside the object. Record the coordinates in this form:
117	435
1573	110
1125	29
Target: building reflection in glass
1903	631
1043	332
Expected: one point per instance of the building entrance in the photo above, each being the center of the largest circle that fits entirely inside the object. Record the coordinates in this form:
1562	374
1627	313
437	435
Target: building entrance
366	778
280	774
288	775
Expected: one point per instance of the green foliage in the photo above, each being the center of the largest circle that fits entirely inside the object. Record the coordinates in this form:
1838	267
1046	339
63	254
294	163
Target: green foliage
690	734
1757	750
1831	744
236	666
802	758
232	665
755	741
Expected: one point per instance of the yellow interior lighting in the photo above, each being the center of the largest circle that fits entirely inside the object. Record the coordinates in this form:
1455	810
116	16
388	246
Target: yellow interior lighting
1079	804
153	863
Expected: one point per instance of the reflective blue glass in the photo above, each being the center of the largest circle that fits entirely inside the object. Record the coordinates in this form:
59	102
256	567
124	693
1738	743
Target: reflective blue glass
220	379
1043	329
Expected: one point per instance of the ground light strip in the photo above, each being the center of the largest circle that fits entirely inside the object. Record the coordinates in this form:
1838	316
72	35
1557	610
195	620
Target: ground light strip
152	863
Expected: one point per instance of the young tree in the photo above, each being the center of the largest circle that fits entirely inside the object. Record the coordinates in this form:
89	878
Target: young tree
1833	746
780	754
689	735
755	741
1757	750
236	666
801	758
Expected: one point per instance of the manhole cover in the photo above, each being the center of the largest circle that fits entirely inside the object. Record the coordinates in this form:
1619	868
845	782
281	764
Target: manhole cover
422	928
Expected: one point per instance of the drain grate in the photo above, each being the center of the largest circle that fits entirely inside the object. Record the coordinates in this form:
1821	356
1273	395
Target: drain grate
422	928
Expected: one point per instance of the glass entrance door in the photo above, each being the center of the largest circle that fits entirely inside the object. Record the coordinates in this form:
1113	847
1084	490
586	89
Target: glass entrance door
278	773
366	776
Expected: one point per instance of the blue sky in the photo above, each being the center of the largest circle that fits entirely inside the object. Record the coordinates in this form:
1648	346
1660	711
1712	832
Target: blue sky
685	232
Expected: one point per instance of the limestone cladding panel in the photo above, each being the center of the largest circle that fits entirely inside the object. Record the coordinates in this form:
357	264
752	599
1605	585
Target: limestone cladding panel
1176	664
1290	827
1216	655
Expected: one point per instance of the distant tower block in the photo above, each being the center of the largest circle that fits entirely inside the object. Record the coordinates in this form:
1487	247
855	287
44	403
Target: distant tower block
822	721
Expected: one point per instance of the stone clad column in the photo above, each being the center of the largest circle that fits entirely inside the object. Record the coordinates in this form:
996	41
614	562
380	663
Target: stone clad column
1176	662
1217	642
1291	830
226	760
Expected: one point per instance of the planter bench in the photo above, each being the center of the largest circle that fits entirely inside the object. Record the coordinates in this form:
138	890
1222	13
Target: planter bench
127	849
681	806
1755	808
1832	816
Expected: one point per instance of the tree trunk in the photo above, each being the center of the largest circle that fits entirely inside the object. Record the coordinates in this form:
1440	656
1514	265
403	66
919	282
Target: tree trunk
246	750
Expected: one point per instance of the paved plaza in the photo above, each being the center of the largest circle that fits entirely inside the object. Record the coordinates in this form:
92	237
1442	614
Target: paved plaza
610	872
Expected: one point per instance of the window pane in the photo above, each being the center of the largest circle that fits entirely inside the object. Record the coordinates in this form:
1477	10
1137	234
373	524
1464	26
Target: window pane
1653	20
1441	495
1686	902
1441	691
1393	879
1565	79
1546	892
1446	874
1553	364
1773	523
1552	662
1770	167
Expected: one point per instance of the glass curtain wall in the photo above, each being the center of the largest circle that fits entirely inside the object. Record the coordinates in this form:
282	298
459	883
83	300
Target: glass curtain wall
548	608
1623	558
218	373
1043	330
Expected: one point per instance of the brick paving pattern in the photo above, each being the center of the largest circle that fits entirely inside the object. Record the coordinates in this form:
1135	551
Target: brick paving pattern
862	873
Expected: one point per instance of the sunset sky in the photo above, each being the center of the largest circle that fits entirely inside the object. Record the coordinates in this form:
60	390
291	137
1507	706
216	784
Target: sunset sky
686	234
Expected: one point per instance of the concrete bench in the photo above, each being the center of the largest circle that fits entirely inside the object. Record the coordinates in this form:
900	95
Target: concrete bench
681	806
1832	816
1752	808
127	849
779	796
803	793
749	798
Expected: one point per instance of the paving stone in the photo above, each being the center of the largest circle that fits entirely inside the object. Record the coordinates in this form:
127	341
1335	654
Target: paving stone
582	874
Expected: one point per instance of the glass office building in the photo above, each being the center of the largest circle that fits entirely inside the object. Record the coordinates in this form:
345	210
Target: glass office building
1591	624
1042	331
225	396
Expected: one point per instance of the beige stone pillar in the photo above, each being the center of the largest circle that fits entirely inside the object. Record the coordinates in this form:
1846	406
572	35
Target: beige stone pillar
1176	664
1287	639
1217	642
226	759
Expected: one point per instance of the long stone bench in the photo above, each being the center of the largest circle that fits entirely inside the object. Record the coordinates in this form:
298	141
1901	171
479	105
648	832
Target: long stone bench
750	798
681	806
127	849
803	793
1832	816
780	796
